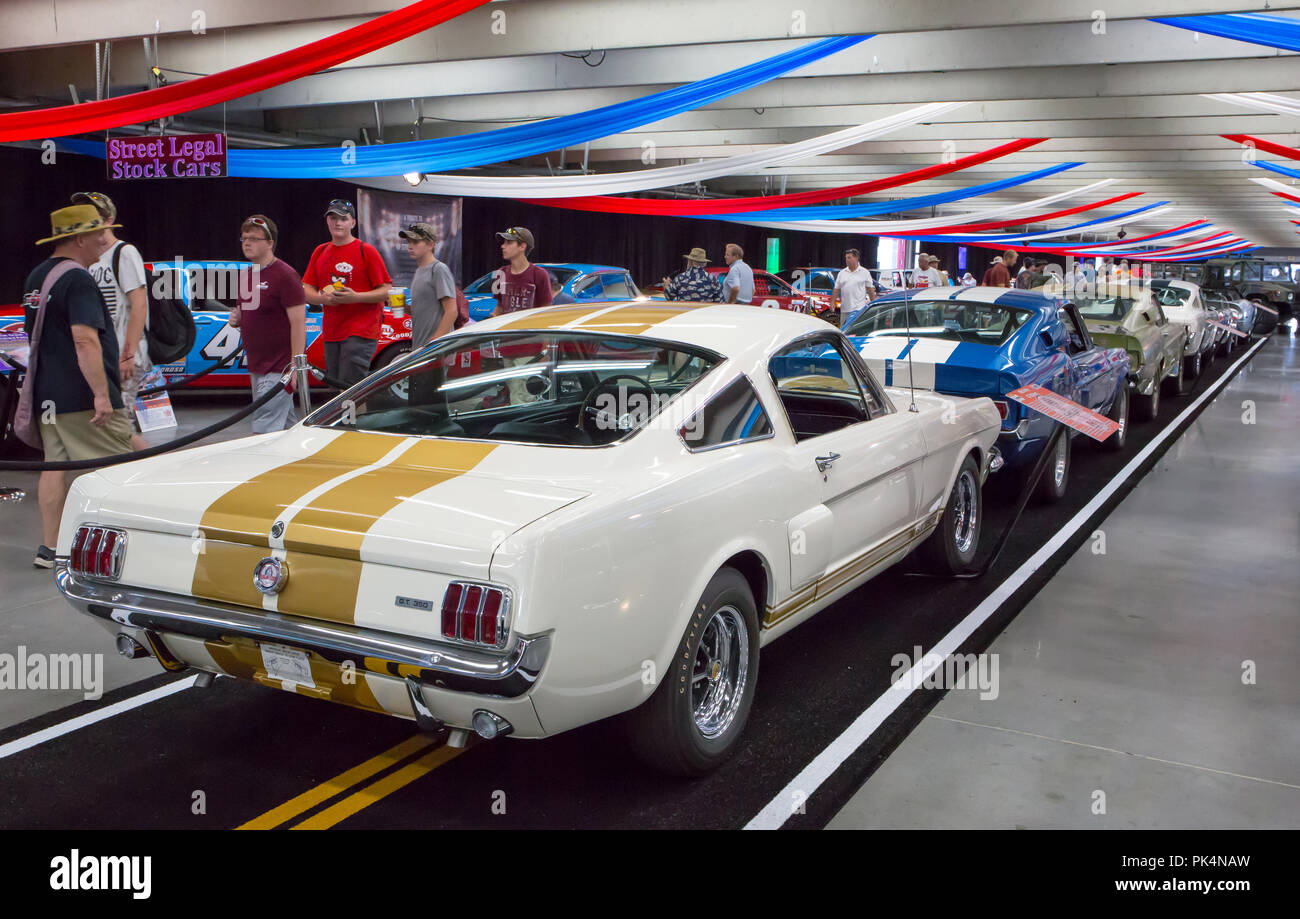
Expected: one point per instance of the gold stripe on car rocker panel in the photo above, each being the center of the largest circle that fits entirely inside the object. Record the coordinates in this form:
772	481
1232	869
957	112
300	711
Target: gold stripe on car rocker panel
236	527
323	540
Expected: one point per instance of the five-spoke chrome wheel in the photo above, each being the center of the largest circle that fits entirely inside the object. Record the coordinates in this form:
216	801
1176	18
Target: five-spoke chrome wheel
966	519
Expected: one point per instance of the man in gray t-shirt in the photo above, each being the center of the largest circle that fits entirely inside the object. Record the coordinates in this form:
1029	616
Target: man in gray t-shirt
433	289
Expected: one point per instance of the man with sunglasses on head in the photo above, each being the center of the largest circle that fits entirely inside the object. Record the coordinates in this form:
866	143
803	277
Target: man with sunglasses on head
348	279
272	321
119	272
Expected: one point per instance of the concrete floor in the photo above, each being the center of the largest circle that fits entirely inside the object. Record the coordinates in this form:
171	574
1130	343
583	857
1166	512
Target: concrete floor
35	616
1123	677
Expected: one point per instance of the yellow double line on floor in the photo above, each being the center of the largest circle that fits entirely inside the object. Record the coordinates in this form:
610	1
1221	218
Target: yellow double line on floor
365	797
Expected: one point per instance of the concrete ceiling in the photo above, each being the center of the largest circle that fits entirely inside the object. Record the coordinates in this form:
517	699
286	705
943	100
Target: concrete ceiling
1127	100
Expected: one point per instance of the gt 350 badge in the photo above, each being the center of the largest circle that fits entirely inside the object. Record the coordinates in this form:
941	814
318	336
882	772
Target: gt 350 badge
413	603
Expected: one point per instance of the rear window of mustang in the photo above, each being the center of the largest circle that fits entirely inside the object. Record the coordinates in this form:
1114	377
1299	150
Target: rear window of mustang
954	320
555	388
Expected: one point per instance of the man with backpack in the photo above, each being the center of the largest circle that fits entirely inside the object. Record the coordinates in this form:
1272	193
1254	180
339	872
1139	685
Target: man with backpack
434	309
348	278
119	272
73	393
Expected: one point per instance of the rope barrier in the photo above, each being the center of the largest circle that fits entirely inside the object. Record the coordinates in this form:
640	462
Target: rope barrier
69	465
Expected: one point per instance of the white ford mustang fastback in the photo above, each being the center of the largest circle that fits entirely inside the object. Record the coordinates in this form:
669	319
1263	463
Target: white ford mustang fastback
539	521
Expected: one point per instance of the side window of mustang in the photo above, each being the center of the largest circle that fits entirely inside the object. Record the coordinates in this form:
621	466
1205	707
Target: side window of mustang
733	416
819	388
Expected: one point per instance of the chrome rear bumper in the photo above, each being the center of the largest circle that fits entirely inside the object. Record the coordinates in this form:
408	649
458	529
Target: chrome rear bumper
508	675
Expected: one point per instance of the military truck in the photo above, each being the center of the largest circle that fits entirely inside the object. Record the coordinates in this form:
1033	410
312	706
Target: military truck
1269	282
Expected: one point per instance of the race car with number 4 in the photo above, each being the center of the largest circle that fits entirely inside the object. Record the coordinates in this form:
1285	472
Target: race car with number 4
567	514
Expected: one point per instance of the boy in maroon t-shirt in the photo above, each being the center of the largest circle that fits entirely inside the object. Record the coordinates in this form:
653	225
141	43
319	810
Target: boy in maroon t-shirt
272	318
519	285
349	280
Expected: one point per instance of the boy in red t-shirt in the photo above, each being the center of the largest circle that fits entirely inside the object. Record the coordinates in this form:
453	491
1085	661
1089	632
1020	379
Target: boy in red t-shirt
349	279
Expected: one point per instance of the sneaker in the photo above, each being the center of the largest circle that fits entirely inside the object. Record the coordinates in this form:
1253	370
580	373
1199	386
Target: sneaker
44	558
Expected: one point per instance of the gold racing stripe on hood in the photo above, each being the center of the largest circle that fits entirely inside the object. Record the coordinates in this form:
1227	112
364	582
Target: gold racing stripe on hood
236	527
323	540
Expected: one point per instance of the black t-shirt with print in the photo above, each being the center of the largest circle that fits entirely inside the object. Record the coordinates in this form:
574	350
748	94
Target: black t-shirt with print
75	300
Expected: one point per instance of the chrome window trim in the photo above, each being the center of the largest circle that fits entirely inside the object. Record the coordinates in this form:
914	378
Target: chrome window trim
730	443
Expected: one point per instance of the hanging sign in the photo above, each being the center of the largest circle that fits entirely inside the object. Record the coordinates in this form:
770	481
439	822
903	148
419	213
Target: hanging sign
176	156
1054	405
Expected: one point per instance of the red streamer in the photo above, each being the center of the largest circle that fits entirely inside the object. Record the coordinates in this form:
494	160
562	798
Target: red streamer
1265	145
614	204
1014	222
230	84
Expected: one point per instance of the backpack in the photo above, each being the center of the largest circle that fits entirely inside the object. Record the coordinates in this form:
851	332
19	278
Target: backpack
462	309
169	328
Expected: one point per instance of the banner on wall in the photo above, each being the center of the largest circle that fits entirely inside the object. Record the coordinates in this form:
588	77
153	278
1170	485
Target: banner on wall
381	215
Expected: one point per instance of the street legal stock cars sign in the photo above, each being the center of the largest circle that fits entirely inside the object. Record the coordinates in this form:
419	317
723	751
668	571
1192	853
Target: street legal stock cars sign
176	156
1053	405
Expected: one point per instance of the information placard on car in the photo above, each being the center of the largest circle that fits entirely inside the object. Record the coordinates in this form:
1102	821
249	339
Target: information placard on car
1054	405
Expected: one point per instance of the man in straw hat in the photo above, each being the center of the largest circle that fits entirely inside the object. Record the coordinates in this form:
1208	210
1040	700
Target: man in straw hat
694	284
78	388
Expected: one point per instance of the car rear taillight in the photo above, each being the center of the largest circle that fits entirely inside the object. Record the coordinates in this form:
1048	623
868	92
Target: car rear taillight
1002	408
476	614
98	552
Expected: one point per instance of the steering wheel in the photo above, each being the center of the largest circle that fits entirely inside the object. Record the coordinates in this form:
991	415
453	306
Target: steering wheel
593	420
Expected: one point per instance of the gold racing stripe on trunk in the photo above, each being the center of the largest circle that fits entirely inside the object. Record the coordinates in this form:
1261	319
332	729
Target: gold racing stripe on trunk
634	320
551	318
236	526
323	540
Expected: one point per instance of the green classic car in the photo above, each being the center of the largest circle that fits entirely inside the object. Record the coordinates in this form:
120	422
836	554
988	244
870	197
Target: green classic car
1154	345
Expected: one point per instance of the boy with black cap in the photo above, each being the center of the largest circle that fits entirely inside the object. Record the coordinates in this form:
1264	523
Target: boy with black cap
433	289
348	278
519	285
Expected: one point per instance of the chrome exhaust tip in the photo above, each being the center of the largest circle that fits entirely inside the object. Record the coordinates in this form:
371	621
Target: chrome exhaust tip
129	648
490	725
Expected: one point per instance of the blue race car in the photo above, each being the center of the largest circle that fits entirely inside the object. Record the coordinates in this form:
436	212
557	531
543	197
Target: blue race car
988	341
582	282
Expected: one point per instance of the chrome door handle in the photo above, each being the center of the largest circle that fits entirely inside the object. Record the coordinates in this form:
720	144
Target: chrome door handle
825	462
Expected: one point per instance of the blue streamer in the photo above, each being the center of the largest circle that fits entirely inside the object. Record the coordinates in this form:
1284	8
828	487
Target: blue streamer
833	211
448	153
1256	28
1280	170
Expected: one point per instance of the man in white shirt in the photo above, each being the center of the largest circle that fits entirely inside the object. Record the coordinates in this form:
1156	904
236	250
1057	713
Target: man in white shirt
929	272
738	287
121	279
853	287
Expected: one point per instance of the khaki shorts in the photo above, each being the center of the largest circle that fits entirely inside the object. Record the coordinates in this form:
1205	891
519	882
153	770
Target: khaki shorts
73	437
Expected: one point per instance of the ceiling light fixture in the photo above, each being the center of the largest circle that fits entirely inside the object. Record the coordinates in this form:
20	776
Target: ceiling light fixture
413	178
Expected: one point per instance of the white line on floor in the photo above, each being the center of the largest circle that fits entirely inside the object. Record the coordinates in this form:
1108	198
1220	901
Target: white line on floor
102	714
810	778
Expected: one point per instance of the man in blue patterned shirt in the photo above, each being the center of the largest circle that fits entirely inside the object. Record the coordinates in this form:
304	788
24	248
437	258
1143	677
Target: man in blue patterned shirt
694	285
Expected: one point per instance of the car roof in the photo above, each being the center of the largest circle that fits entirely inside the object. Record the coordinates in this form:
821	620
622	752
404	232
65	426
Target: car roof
726	328
1033	300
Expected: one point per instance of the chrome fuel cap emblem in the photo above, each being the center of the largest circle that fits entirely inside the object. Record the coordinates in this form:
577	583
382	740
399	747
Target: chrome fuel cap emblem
277	529
270	575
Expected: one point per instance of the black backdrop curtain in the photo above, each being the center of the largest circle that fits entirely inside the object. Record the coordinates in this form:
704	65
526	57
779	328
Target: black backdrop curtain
200	219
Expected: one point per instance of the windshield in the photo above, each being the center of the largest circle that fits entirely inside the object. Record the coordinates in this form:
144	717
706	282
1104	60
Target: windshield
954	320
1113	309
559	388
484	284
1280	273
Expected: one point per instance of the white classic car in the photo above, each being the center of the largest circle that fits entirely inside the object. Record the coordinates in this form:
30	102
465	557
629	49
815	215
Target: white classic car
1183	304
566	514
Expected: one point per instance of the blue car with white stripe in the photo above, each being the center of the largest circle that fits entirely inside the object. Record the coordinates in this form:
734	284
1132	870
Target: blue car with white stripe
989	341
579	282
